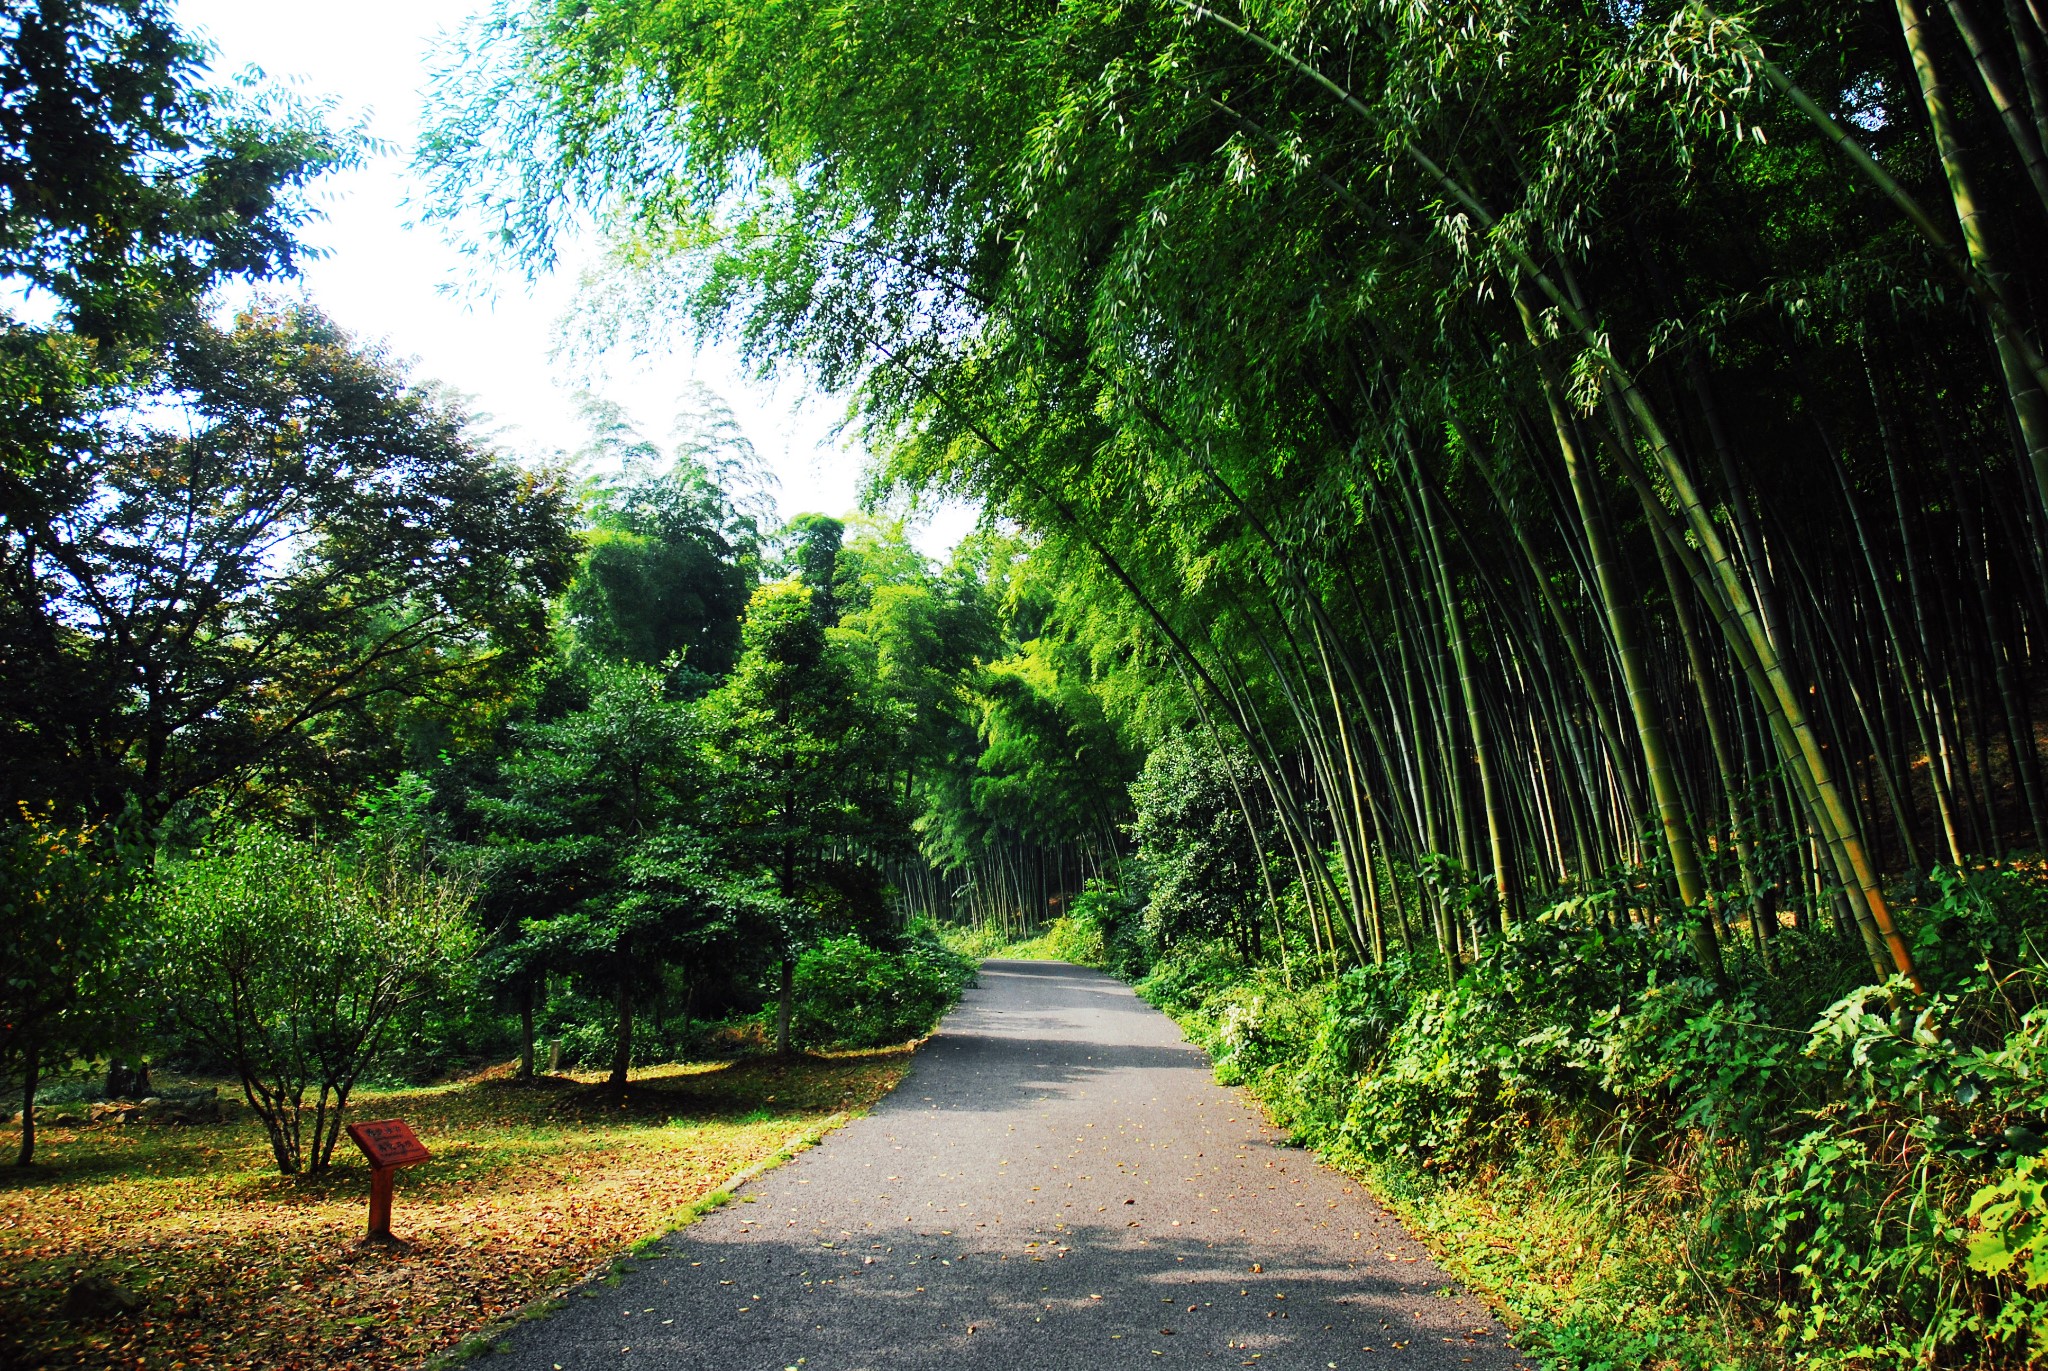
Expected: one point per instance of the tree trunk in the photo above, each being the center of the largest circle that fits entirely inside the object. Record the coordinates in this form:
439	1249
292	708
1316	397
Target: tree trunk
1717	739
782	1007
1643	704
1489	796
2005	97
2019	733
526	1030
2032	73
31	1076
1736	614
2023	387
1934	744
622	1054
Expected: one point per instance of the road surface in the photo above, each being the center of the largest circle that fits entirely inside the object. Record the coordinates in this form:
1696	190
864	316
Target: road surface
1058	1184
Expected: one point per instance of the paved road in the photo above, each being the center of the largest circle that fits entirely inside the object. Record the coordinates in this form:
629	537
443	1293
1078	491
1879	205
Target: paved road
1058	1184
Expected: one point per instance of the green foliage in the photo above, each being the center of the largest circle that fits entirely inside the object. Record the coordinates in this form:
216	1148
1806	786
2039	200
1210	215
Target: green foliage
804	749
1318	367
150	652
257	575
1920	1098
2012	1242
849	994
813	543
599	864
276	555
1202	852
642	600
1105	927
63	921
2013	1215
1113	915
806	752
667	569
297	963
131	186
1065	939
976	942
1053	762
1271	331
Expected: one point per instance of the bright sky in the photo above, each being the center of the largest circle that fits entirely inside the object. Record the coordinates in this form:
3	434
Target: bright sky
384	281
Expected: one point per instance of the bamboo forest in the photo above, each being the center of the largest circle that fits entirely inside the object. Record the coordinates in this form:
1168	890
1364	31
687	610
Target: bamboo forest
1507	597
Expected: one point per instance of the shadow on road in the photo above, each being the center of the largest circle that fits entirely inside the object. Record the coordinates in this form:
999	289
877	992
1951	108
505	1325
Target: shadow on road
1077	1295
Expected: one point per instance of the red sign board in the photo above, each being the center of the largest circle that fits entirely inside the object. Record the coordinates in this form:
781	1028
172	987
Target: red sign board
388	1143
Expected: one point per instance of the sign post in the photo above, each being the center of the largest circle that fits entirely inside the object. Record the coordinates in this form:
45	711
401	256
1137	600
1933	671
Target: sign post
389	1144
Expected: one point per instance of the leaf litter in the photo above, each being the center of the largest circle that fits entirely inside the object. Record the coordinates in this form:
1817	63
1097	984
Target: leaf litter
529	1189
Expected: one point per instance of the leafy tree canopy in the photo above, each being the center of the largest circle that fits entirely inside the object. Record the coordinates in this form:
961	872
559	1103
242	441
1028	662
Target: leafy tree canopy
264	545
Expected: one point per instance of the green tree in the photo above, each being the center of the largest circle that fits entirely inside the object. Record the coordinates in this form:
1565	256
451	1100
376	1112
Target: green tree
263	547
1203	852
63	907
811	548
295	962
130	186
600	868
672	542
806	753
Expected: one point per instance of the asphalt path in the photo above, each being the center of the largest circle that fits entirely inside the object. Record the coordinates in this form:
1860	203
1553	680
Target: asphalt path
1059	1183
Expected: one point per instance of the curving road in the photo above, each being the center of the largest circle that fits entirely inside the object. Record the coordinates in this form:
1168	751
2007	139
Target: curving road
1060	1183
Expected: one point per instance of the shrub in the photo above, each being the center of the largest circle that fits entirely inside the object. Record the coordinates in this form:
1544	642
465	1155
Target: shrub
1927	1109
593	1039
1187	978
849	994
294	962
2012	1215
62	916
1070	938
1113	913
976	941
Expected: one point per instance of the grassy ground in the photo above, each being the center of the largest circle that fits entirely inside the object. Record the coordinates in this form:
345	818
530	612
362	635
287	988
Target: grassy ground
1589	1283
530	1188
1055	942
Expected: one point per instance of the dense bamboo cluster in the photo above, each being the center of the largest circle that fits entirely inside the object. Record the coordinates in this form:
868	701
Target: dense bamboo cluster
1007	882
1571	447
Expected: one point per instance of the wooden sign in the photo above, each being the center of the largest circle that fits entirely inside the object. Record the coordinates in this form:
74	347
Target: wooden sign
389	1144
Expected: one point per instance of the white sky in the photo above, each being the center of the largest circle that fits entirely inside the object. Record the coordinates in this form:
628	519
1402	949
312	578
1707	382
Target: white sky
386	282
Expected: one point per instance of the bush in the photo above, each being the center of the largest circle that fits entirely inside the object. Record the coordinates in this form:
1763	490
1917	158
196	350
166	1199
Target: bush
1185	980
849	994
454	1033
976	941
1113	915
295	962
63	916
592	1040
1069	938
